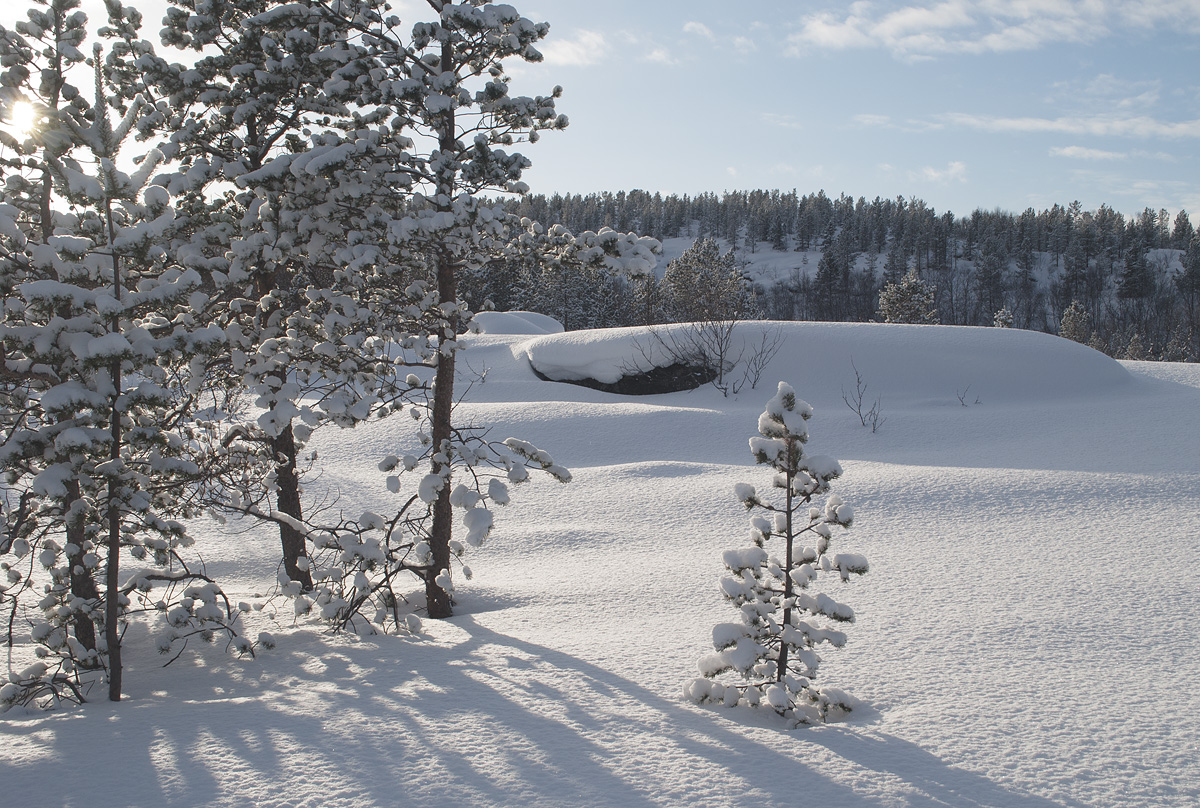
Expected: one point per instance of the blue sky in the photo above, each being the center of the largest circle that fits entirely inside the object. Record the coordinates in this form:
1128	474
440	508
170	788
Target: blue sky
963	103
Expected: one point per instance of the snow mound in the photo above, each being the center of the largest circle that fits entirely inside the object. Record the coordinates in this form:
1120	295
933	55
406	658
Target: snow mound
901	363
515	322
604	355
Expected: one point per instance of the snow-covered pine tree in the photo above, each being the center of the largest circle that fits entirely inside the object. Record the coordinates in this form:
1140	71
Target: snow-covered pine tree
99	349
772	651
358	564
1076	323
910	300
320	317
443	87
704	285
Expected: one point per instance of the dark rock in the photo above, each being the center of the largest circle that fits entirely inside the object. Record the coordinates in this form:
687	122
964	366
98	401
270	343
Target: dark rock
669	379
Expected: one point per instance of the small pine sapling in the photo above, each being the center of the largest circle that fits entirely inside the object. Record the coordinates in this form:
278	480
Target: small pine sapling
771	651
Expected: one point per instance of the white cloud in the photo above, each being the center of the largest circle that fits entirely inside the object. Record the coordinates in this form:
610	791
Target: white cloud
1158	155
699	29
887	122
920	30
1137	126
731	171
1107	91
583	49
1084	153
744	43
662	56
955	171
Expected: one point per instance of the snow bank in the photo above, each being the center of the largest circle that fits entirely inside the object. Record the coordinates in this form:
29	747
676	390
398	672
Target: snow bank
604	354
514	322
902	363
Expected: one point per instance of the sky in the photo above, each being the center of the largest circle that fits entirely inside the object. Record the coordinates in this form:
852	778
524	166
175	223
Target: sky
965	104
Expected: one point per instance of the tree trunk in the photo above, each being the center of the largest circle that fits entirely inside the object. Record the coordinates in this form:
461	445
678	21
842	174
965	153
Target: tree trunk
781	669
287	481
437	599
112	583
283	453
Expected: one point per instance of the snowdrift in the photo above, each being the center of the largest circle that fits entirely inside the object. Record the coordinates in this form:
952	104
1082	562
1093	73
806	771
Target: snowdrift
1025	636
910	364
514	322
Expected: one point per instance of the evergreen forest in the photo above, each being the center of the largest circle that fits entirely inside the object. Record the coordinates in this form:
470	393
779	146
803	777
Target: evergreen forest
1128	285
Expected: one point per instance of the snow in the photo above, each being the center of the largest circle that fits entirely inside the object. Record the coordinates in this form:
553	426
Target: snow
605	355
514	322
1025	635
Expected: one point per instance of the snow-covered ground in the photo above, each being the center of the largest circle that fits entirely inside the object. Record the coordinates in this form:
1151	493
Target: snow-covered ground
1026	635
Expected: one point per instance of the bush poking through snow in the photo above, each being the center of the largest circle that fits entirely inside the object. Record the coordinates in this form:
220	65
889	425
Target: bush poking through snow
769	659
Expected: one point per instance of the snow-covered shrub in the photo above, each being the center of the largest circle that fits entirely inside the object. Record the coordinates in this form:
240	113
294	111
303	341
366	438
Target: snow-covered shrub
769	658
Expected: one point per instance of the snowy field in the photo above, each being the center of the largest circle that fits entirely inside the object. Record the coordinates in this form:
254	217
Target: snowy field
1026	635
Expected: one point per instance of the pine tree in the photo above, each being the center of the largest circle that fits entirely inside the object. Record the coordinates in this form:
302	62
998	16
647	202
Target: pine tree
1136	350
1182	231
908	301
103	363
772	649
322	321
1076	324
703	285
442	88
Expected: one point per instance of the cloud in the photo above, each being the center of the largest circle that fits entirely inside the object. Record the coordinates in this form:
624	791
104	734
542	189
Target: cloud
583	49
1107	91
871	119
662	56
782	120
1136	126
1158	155
923	30
1084	153
955	171
699	29
743	43
886	122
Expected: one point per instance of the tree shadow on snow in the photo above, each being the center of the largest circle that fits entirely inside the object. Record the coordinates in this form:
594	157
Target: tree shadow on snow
468	717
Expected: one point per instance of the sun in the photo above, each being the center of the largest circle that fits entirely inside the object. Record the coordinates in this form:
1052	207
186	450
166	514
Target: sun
22	118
